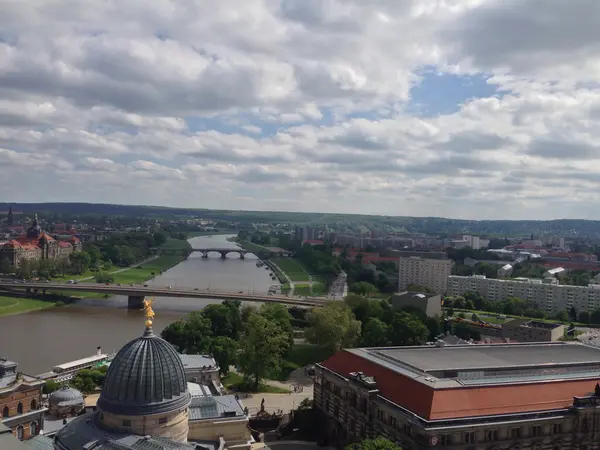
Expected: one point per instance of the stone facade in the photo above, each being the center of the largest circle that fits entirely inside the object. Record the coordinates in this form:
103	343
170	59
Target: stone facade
20	401
353	409
173	426
37	245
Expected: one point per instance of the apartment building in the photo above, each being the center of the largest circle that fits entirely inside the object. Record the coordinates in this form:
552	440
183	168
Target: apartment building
431	273
547	294
464	397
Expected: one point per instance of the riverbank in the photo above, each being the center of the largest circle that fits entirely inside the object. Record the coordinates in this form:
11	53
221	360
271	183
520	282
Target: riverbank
135	274
18	305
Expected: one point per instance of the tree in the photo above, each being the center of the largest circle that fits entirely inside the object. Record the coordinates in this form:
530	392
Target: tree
103	277
220	319
279	314
224	350
378	443
584	317
363	288
94	252
80	261
159	239
261	348
407	329
563	316
333	326
191	334
418	288
462	331
595	316
375	333
50	386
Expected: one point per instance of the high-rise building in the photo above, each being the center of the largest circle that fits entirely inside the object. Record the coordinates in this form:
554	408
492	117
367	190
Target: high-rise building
547	294
431	273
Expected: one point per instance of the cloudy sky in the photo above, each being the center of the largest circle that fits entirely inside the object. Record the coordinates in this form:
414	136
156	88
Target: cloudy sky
458	108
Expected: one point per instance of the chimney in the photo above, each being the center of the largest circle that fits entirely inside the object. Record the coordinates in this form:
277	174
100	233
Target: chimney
99	351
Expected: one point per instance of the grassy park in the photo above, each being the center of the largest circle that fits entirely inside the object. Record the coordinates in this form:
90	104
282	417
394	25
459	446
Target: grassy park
18	305
292	269
236	382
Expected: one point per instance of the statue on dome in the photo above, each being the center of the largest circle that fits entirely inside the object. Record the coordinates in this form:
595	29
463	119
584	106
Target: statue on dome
148	312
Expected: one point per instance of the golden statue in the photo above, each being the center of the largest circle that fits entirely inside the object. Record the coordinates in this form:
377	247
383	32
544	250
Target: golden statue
148	312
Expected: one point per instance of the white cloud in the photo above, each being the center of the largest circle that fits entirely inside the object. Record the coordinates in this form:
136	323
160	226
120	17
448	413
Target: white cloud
301	105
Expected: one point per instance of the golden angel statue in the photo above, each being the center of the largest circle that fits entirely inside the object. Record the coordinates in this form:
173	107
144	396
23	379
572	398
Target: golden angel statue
148	312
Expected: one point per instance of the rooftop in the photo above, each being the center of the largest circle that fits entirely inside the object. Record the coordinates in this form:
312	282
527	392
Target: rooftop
467	358
450	383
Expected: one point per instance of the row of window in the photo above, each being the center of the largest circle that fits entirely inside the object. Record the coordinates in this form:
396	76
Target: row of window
161	421
6	411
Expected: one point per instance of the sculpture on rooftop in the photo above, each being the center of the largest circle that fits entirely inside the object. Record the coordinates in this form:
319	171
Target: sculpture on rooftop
148	312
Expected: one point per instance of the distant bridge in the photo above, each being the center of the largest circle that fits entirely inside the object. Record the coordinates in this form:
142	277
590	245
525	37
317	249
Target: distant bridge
223	251
136	294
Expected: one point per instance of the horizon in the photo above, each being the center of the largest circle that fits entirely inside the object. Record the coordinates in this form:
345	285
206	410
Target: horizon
281	211
164	104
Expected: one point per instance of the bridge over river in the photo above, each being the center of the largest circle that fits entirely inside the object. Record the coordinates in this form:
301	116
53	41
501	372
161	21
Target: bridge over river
136	294
223	251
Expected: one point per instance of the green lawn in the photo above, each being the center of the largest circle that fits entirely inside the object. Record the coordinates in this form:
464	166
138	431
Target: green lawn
319	288
192	234
292	269
469	312
302	290
16	305
236	382
251	247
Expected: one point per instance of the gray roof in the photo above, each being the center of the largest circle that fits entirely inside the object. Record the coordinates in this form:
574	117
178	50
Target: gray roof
8	441
477	357
214	407
66	396
40	443
145	377
8	380
83	431
197	361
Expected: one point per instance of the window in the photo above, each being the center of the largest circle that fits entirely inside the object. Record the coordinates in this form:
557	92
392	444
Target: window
446	439
491	435
515	433
470	437
33	405
5	412
33	429
393	422
380	415
536	430
162	420
20	408
127	423
20	433
557	428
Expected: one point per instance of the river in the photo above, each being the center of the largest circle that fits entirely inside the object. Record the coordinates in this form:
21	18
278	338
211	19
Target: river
40	340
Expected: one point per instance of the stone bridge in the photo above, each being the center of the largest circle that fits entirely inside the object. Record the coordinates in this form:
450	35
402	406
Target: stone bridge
223	251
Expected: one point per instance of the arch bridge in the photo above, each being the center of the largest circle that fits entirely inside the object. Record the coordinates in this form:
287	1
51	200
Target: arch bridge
223	251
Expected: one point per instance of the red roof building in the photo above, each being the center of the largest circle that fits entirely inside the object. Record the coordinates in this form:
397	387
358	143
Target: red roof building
429	394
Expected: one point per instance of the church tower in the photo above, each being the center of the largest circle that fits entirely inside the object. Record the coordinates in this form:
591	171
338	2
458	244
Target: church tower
10	219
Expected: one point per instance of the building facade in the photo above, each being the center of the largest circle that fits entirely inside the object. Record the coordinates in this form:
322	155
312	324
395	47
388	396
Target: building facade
431	273
430	304
547	294
20	401
463	397
527	330
37	245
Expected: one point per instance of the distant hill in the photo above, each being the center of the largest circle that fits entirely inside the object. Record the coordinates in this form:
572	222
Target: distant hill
562	227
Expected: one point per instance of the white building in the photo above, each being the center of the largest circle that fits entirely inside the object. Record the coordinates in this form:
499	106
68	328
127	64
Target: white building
475	242
547	294
505	271
431	273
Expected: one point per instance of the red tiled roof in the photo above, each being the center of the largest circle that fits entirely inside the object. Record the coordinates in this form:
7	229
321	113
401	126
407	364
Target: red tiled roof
12	244
46	237
436	404
74	240
64	244
316	242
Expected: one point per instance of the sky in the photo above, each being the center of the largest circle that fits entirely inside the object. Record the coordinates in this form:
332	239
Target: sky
478	109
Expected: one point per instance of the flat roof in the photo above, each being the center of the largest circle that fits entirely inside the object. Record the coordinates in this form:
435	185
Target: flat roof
88	360
495	356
